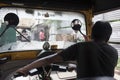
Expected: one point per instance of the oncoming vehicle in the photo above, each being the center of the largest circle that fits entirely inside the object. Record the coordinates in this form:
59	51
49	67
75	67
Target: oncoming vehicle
42	25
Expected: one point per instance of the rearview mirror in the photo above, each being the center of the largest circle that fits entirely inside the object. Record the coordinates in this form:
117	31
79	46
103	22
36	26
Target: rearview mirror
76	24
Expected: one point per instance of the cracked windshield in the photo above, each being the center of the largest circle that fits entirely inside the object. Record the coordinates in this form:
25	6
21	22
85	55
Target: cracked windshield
37	26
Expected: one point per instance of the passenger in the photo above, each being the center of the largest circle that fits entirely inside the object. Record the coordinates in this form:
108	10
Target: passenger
96	59
41	35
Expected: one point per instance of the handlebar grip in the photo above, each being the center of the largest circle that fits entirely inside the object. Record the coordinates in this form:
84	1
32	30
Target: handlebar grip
59	68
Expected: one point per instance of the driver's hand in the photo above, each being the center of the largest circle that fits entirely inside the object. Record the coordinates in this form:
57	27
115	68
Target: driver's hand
22	71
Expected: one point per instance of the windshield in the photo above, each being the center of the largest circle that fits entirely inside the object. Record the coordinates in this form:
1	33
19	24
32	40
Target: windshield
37	26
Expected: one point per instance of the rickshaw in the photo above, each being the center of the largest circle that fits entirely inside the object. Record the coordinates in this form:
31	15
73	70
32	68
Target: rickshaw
12	58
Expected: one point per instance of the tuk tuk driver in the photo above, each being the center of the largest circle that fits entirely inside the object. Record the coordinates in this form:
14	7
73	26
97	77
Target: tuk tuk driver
96	59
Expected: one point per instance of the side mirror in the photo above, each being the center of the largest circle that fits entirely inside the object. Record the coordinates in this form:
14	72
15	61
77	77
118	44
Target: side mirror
12	19
76	24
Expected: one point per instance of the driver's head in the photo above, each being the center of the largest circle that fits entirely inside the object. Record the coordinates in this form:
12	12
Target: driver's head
101	31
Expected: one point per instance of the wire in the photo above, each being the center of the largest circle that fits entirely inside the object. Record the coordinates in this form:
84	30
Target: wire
21	34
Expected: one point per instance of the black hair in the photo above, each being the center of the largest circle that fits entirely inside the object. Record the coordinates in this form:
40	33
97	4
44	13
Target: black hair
101	31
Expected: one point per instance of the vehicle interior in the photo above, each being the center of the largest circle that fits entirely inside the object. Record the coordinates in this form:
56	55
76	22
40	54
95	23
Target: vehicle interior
40	25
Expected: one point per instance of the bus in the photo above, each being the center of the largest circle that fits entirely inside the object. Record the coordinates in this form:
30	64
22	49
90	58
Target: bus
38	25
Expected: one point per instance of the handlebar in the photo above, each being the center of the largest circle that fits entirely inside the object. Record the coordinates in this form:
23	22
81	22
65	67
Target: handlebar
61	68
53	67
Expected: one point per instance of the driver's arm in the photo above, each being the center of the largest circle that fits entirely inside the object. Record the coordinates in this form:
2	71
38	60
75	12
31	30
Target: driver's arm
64	55
39	63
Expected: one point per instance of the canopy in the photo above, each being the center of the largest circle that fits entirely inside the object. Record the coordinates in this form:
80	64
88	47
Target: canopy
98	6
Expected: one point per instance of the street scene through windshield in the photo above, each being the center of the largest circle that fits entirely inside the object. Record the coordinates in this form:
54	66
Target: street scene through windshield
37	26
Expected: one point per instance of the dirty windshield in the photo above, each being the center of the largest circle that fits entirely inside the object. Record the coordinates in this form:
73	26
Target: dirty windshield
37	26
